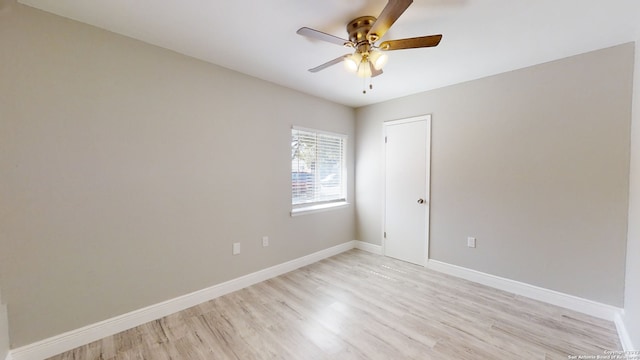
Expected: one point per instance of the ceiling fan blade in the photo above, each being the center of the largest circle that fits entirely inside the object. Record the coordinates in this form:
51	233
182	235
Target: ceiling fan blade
319	35
389	15
411	43
375	72
328	63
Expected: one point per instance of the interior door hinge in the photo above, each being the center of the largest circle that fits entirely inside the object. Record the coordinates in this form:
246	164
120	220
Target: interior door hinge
385	234
385	139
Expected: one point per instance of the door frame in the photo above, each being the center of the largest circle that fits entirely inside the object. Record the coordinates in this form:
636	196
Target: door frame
427	118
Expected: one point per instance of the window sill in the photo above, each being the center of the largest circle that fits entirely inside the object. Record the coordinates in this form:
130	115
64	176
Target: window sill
312	209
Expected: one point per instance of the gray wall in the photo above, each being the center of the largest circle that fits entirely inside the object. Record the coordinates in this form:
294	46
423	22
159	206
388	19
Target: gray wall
534	163
127	171
632	288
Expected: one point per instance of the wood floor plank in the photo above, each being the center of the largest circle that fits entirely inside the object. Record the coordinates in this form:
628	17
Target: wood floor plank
357	305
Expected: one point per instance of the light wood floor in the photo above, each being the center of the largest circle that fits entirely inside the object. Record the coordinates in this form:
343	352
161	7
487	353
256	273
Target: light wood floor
362	306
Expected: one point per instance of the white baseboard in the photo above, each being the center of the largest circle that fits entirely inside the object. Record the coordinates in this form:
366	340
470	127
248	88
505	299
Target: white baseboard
623	334
369	247
75	338
571	302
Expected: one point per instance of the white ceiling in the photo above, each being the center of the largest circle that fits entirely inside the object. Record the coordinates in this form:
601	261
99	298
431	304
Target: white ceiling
258	38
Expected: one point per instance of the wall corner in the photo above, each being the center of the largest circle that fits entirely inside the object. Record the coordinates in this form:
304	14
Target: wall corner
630	336
4	332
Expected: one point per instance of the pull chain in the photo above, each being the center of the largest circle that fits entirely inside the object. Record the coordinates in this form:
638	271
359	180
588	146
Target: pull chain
364	85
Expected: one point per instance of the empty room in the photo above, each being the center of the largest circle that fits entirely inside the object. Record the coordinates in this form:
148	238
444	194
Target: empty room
296	179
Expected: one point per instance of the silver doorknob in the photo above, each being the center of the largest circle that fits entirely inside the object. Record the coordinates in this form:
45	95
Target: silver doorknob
420	201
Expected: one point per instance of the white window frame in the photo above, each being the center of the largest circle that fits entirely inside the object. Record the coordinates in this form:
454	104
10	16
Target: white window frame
319	206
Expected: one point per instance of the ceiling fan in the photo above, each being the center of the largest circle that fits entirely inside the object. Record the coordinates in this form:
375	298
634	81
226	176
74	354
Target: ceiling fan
364	32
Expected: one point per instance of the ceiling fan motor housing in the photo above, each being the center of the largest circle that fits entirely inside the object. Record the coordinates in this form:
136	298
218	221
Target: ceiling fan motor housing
358	29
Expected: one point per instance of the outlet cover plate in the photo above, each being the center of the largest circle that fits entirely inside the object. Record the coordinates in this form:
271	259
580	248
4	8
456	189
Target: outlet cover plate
471	242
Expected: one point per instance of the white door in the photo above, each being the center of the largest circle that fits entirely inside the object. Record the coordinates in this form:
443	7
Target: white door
407	155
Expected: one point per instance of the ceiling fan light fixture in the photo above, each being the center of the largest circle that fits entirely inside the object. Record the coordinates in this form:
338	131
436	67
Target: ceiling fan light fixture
352	62
364	70
378	59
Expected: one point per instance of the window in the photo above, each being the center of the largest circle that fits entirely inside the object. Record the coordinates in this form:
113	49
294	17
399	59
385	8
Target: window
318	175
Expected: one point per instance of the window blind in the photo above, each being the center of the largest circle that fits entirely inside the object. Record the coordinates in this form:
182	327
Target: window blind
317	167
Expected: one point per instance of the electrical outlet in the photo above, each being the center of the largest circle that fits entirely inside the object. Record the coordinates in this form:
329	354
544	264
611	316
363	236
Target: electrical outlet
471	242
265	241
236	248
